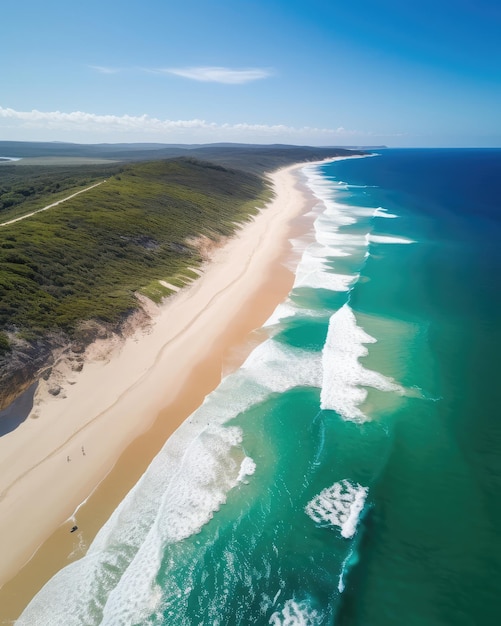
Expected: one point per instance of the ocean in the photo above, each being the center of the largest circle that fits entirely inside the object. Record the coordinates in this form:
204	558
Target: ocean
349	472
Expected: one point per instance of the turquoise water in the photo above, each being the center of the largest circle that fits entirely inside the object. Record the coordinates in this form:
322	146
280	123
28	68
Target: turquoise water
349	473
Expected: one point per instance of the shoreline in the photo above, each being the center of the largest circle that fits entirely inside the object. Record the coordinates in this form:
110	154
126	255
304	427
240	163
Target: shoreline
205	329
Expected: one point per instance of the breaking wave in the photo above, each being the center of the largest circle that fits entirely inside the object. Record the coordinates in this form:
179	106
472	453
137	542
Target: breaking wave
344	378
339	505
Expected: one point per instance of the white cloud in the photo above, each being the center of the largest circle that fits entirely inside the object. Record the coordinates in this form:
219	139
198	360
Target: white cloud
89	127
205	74
219	74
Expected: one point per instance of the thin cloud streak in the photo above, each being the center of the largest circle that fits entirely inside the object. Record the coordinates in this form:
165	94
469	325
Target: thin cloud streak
225	75
135	127
213	74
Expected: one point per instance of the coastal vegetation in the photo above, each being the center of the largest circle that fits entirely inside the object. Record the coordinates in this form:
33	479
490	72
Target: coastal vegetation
29	187
89	256
143	231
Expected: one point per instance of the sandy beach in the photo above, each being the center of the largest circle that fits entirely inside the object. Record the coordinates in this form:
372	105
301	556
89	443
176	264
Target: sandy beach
78	453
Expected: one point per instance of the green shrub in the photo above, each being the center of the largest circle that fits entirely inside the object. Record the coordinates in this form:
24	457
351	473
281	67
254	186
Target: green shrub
87	257
4	343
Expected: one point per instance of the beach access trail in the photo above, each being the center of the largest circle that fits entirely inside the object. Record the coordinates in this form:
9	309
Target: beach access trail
76	455
50	206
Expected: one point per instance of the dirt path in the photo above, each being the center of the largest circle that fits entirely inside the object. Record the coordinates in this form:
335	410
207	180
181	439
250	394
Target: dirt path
23	217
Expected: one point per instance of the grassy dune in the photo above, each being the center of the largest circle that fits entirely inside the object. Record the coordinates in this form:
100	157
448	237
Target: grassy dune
86	258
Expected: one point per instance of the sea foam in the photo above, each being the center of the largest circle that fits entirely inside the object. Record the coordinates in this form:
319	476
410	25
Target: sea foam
344	378
197	490
387	239
339	505
278	367
296	613
287	310
247	468
381	212
282	311
313	271
332	239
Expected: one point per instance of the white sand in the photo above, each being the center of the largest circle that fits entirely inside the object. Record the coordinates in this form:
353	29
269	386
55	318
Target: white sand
114	399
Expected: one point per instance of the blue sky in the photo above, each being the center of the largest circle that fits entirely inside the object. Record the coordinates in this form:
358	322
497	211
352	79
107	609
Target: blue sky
317	72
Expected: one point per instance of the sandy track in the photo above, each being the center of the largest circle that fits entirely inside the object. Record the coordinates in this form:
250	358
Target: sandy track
50	206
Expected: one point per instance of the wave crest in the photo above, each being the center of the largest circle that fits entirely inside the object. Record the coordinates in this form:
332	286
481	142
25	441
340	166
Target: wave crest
344	378
339	505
